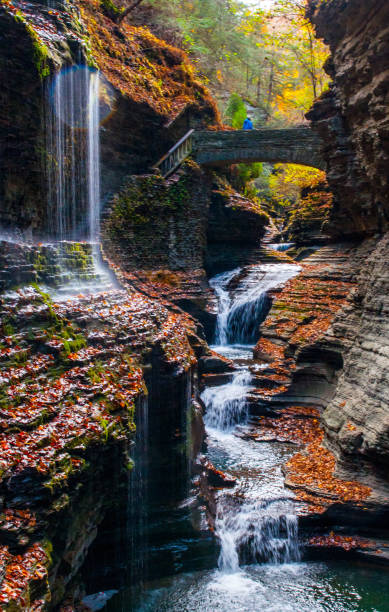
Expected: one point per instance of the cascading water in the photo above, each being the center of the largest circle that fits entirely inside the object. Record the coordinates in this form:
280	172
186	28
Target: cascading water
73	144
94	156
259	525
220	286
240	314
226	404
257	531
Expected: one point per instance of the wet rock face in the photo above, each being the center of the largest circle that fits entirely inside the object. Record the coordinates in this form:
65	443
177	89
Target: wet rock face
51	265
73	375
353	117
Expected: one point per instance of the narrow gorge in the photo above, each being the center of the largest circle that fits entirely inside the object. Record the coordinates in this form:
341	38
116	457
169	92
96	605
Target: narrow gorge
194	363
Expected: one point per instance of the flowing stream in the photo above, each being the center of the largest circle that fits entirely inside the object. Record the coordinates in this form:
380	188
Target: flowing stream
257	524
259	565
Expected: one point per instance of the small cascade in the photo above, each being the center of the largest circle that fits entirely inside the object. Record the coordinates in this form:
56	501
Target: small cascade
241	311
245	318
254	524
256	532
220	284
227	404
281	246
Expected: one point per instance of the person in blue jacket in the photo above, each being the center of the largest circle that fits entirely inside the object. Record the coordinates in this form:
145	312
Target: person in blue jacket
248	124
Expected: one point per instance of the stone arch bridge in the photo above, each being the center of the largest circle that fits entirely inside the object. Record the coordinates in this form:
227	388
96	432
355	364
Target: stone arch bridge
298	145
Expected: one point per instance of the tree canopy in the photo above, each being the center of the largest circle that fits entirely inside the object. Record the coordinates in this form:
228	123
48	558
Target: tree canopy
270	58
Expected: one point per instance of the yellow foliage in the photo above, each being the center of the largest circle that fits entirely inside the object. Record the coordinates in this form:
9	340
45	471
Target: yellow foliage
289	179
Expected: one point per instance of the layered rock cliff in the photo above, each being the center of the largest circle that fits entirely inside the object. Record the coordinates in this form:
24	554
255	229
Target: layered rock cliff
352	116
76	376
353	119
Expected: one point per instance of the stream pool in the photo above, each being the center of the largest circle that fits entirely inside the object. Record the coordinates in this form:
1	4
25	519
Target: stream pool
295	587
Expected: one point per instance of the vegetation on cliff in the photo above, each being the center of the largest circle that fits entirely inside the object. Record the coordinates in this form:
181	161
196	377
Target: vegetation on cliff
143	67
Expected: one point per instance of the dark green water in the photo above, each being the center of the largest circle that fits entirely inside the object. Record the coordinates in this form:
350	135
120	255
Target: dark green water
301	587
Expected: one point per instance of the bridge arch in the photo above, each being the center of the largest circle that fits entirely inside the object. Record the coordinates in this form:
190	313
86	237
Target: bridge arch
290	146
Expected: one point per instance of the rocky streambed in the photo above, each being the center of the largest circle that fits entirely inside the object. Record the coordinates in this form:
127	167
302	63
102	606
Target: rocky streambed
283	511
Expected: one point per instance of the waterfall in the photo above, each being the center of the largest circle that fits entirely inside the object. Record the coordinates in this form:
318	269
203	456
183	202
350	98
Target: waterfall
94	156
281	246
66	131
256	532
73	170
245	318
220	284
137	509
73	159
241	311
226	404
251	527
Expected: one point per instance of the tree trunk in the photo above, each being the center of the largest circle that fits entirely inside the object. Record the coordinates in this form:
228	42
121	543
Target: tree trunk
128	10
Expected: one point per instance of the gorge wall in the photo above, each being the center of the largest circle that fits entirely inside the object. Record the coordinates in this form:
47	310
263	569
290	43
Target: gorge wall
352	116
353	120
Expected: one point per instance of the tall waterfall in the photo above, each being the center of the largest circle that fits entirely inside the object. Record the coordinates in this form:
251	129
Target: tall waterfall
73	154
257	525
94	156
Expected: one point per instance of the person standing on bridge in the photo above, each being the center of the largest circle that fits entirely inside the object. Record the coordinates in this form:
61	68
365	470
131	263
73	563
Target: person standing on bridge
248	124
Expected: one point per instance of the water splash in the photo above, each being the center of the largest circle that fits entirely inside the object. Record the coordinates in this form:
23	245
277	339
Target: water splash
227	404
256	532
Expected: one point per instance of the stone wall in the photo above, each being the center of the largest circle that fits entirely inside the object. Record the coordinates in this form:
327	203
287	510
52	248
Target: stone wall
153	223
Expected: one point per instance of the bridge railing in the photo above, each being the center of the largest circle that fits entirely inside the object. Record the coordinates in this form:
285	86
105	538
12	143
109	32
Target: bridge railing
176	155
